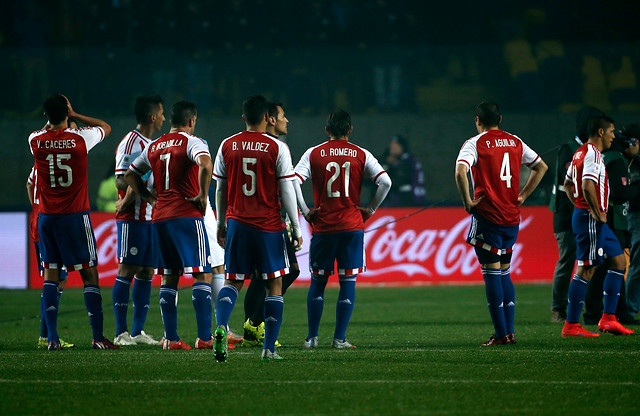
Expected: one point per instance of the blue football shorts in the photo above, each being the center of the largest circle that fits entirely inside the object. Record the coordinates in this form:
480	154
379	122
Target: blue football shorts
248	249
344	248
183	246
63	270
594	240
498	239
67	240
137	243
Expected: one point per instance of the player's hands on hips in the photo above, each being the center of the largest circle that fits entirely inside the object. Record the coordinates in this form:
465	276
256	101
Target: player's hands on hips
200	201
311	215
599	216
222	235
366	214
470	206
120	204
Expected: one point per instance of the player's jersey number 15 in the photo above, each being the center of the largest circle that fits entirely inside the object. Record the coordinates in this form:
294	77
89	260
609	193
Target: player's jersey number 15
58	161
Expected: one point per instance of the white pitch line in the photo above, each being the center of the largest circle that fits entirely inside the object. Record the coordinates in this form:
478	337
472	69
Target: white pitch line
422	381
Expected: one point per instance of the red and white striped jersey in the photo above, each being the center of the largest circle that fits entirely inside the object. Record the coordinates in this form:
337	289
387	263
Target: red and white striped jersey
172	159
61	166
33	222
337	169
588	163
494	158
129	149
254	164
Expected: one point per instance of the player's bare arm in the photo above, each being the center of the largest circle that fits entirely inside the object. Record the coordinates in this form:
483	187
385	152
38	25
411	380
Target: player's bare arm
30	192
89	121
537	172
462	183
137	185
568	190
205	168
221	210
591	196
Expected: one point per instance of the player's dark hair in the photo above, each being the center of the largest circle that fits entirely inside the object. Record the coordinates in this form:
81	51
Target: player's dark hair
254	108
338	123
598	122
488	113
582	121
145	106
55	108
181	113
273	109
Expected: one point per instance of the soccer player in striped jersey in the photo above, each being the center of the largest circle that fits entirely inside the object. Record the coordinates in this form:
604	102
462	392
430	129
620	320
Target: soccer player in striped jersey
252	170
337	169
494	158
64	225
587	186
136	243
277	126
181	165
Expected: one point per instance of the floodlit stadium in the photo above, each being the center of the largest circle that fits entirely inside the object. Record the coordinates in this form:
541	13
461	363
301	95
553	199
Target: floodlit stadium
410	76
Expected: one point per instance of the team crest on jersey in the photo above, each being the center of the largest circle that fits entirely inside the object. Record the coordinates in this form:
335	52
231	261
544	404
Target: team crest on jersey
133	251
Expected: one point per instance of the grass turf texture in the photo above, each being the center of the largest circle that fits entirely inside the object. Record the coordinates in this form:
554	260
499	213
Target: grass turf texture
418	352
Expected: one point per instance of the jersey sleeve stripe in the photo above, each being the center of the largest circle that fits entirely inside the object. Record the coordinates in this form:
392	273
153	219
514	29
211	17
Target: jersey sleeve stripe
535	162
378	175
300	177
287	177
136	170
463	162
219	177
203	152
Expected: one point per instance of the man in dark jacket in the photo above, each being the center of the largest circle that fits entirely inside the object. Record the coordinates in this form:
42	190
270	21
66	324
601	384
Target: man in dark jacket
562	211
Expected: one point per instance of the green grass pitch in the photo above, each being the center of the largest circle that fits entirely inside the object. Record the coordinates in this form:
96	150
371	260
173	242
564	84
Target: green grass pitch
418	352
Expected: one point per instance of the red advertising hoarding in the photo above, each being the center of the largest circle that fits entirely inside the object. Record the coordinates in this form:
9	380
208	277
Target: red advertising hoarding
402	249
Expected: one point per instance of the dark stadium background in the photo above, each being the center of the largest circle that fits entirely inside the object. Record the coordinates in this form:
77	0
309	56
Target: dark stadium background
409	67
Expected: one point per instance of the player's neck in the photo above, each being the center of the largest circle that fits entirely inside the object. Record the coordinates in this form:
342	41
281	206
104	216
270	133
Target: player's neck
146	130
596	142
345	138
60	126
185	129
258	128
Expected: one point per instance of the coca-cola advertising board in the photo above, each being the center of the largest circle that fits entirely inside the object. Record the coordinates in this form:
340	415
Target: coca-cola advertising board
404	246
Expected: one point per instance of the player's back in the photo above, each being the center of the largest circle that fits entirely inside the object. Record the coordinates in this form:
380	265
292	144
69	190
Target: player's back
172	160
61	166
253	164
496	176
337	170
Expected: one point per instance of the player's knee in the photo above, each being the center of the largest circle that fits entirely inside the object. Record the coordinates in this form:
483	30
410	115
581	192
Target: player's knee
486	256
146	273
